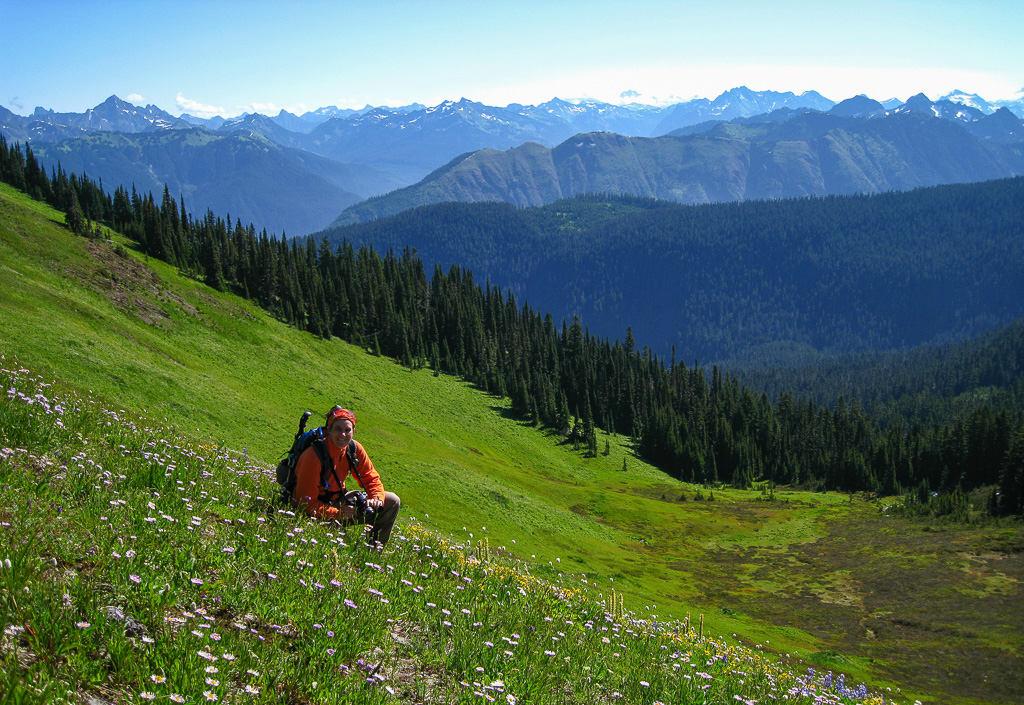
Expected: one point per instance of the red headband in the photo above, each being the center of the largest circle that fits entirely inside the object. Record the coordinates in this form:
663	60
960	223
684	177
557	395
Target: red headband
340	414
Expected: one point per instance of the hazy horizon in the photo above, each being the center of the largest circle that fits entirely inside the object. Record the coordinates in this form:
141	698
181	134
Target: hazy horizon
232	57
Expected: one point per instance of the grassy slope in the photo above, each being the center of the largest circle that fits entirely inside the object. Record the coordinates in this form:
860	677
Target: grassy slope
155	343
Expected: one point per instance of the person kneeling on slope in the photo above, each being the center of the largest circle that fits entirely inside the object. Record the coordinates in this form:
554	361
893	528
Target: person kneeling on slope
323	494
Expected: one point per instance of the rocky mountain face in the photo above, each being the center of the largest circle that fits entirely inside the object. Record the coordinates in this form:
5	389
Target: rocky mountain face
112	115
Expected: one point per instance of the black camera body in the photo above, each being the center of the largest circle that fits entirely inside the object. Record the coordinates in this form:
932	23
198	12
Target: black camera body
358	500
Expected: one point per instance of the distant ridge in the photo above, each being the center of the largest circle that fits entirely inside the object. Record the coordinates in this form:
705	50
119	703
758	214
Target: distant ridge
382	149
862	149
241	174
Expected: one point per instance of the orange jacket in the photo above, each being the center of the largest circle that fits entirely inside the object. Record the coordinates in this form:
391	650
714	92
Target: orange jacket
309	488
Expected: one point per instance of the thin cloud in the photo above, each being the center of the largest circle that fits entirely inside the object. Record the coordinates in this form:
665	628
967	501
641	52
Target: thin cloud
273	108
262	108
135	98
197	109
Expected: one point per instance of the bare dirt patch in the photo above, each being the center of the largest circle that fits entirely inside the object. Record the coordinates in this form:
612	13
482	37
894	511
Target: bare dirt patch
129	285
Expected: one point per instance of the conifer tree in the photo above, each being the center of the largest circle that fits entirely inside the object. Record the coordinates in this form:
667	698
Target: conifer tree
73	218
14	167
589	432
1011	481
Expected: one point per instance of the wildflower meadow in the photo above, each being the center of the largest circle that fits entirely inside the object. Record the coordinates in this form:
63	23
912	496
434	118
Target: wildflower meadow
137	564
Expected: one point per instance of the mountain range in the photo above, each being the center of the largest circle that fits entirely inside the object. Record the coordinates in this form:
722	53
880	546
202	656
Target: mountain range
338	158
241	174
854	148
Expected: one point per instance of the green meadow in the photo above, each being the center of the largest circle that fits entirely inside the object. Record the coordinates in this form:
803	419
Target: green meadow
782	580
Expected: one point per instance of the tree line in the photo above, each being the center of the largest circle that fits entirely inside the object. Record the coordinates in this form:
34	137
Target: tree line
699	427
930	384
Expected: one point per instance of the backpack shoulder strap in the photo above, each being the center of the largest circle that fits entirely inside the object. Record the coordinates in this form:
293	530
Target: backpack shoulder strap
353	462
326	462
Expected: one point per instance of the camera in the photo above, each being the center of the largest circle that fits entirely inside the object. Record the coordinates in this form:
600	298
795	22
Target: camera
358	500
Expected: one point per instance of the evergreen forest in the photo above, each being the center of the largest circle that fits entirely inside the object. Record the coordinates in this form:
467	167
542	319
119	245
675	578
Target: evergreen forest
698	425
748	282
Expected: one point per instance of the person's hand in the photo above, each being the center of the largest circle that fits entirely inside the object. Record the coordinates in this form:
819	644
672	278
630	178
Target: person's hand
346	511
374	503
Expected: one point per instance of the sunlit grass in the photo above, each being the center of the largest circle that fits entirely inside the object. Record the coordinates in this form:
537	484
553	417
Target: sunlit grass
221	369
140	564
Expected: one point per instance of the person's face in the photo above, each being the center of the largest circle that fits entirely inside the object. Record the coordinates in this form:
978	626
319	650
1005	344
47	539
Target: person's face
340	432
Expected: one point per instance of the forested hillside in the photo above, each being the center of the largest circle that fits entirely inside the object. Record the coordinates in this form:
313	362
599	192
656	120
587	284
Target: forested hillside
754	282
697	426
931	384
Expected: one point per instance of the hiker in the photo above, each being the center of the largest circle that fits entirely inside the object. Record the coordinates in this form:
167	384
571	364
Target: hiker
327	498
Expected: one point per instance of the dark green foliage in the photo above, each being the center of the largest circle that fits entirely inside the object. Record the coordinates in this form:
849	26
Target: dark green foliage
749	283
935	384
1010	497
952	506
73	218
707	429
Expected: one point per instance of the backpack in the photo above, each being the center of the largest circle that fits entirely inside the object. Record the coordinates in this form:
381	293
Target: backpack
315	438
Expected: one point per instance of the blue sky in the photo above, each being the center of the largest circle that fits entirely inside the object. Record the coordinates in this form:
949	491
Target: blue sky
227	57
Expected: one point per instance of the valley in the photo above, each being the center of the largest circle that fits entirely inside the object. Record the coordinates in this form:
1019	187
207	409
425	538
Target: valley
825	576
687	339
